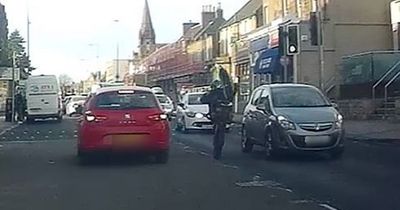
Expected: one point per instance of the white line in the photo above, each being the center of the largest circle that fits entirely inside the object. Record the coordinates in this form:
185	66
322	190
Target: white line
31	142
327	206
8	129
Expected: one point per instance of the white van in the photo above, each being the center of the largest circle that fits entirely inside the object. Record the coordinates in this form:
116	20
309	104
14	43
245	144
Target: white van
43	98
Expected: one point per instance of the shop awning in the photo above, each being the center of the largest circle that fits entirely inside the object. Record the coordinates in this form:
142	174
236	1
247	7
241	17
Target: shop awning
268	62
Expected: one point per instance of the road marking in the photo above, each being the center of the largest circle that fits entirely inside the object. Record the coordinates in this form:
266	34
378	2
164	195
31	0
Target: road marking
62	131
60	136
38	141
257	183
301	201
8	129
17	137
1	146
327	206
230	166
46	137
205	154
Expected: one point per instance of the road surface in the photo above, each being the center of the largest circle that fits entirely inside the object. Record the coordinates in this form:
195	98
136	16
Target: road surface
39	171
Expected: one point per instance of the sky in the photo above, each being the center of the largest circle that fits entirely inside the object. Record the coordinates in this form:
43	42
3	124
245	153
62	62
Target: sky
67	36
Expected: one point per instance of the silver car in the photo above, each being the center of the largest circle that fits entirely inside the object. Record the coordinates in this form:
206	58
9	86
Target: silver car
292	117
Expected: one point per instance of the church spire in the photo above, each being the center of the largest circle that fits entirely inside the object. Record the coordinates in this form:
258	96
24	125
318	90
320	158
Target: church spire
147	30
147	35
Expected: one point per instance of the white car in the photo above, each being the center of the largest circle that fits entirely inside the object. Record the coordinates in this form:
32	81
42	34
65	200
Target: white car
74	103
166	104
192	114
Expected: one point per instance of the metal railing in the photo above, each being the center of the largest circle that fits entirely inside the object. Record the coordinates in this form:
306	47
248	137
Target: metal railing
386	89
330	84
393	68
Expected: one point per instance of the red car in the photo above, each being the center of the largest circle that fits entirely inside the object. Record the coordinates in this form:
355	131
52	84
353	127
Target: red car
124	119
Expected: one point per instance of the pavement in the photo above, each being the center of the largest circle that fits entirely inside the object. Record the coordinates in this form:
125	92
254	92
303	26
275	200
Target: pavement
366	130
5	126
39	170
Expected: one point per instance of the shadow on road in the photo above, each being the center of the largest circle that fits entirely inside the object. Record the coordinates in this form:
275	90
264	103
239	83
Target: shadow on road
114	160
294	157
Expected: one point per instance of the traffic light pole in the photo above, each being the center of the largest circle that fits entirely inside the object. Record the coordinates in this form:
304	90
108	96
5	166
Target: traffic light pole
13	88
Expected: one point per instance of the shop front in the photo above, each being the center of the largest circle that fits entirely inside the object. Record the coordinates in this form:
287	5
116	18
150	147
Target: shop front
266	60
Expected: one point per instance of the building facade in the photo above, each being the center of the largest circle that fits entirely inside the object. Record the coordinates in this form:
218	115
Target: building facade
3	37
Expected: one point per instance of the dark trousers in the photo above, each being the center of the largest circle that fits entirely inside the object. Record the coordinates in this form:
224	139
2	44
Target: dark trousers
219	139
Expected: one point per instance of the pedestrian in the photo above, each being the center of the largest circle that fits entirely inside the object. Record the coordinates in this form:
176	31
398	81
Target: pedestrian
19	106
220	113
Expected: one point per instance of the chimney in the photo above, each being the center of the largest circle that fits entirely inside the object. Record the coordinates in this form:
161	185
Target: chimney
220	11
207	15
187	26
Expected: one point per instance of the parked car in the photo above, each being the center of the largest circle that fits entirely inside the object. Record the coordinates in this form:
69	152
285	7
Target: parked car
157	90
292	117
166	104
124	119
73	103
192	114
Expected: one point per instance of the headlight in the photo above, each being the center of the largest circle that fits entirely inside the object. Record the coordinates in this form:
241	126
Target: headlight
199	115
339	121
190	114
286	124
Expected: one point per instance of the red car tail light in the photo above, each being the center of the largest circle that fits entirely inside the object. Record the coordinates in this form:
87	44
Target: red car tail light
158	117
90	117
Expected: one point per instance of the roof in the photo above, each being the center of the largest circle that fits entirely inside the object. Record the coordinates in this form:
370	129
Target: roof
287	85
192	32
211	28
246	11
122	88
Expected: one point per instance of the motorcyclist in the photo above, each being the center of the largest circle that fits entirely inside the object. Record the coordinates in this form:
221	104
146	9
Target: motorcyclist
220	113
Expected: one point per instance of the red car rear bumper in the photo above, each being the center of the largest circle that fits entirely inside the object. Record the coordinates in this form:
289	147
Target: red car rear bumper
147	139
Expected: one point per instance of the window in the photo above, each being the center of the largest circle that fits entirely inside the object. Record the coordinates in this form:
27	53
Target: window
264	97
266	16
256	97
163	99
117	101
194	99
298	97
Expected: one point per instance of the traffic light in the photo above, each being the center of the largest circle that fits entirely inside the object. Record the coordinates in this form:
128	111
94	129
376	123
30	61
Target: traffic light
293	43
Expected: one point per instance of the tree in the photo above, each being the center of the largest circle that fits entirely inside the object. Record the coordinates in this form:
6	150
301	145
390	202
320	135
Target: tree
65	80
16	44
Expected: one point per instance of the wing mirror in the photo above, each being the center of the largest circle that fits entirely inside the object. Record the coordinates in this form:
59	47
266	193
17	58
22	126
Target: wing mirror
182	105
335	105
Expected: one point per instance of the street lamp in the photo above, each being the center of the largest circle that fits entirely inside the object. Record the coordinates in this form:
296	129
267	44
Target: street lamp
116	21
